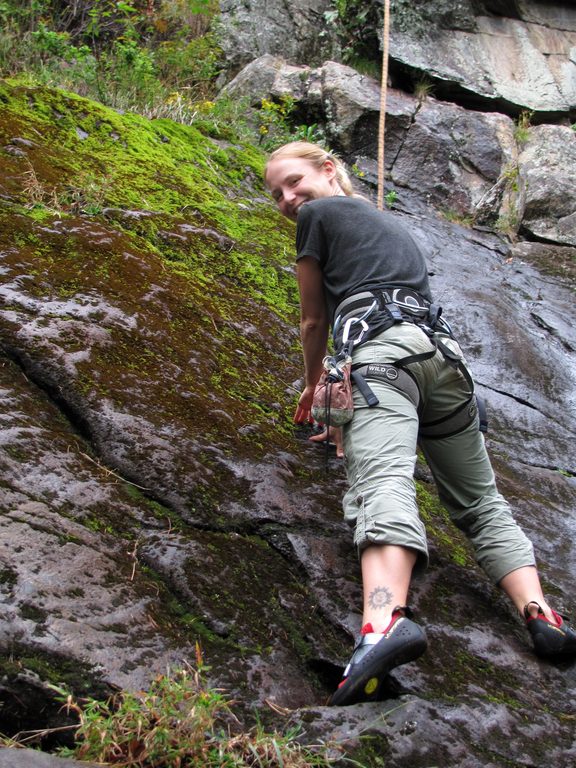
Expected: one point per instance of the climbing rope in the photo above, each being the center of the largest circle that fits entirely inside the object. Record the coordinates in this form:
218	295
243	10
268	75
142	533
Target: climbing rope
382	124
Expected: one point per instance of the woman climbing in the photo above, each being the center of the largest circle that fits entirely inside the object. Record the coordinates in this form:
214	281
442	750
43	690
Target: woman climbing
353	262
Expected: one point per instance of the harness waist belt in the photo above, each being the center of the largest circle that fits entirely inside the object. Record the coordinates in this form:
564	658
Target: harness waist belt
406	299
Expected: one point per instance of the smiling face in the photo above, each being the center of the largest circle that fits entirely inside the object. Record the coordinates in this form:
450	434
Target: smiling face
293	181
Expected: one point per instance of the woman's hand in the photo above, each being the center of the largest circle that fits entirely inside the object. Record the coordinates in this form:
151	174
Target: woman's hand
303	415
304	407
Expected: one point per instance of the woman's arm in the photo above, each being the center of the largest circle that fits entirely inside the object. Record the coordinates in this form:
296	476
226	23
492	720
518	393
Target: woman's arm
313	329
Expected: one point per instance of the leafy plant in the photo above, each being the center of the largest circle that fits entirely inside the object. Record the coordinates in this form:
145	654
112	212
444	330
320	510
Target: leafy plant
126	55
390	198
273	120
511	174
313	133
179	721
356	24
275	124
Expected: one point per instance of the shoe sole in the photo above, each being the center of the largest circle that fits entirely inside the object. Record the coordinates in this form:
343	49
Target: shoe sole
365	683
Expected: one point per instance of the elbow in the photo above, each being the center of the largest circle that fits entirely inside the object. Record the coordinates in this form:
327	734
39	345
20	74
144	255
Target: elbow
310	326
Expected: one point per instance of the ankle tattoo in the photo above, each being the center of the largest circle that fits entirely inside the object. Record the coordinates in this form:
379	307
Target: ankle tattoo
380	598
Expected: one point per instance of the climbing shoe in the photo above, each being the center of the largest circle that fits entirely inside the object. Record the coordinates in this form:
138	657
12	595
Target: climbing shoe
376	654
551	641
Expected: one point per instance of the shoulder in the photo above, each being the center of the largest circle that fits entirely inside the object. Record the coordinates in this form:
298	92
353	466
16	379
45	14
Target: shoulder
338	203
326	208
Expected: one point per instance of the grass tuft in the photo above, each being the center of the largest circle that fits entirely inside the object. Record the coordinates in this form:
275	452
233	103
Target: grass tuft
180	721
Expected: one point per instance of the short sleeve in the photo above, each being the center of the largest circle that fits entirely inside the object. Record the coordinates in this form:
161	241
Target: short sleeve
310	240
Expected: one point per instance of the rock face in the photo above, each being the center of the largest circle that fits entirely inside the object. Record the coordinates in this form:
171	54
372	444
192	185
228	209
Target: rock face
153	491
154	494
251	28
513	59
27	758
507	56
468	164
546	174
473	67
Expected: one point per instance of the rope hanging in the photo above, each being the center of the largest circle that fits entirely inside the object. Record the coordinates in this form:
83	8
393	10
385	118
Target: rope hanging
382	124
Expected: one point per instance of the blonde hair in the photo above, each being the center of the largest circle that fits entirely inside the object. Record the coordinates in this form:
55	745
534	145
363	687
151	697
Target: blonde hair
316	155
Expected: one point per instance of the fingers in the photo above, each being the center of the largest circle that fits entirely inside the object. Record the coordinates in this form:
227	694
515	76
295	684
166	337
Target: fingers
336	433
304	407
303	415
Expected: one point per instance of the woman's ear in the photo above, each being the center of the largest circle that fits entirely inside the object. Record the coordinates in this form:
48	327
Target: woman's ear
329	168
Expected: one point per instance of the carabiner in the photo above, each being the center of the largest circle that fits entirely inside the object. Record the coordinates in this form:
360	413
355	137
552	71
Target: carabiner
348	324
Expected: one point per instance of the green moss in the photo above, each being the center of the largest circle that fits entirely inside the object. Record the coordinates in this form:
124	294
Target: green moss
451	543
160	511
160	243
202	214
153	165
72	674
372	751
33	613
176	618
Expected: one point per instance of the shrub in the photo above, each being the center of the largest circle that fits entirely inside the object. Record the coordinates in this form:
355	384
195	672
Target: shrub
179	721
126	55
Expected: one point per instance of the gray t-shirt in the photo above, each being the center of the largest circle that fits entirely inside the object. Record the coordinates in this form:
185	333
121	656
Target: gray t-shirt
359	248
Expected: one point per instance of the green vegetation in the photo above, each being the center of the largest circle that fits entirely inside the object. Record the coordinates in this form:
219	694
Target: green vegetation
159	58
523	125
456	217
422	89
179	721
53	670
451	543
142	56
390	198
356	24
276	124
507	223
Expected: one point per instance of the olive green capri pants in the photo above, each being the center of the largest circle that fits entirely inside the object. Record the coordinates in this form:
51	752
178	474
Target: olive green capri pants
380	447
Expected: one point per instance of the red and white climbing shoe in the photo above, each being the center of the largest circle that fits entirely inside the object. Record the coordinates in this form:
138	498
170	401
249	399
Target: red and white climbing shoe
376	654
551	641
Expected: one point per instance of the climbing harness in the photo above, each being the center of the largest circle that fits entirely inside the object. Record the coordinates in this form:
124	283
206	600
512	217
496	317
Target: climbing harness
364	315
